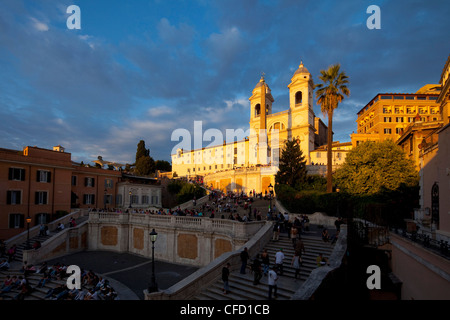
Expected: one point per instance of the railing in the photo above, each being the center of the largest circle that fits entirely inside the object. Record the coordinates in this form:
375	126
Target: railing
194	283
34	231
369	233
236	228
440	247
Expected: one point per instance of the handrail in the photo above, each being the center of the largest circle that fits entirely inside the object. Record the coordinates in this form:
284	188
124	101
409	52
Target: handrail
194	283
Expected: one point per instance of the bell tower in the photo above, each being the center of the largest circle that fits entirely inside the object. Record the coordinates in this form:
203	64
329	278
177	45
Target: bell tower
260	107
301	109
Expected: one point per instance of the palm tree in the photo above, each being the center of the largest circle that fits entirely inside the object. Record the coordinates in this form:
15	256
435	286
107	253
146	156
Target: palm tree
329	94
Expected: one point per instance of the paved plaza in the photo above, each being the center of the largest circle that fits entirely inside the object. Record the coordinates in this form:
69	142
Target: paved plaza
129	274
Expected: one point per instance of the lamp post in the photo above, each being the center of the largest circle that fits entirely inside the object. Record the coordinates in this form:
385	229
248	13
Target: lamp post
129	207
28	219
153	287
270	197
104	200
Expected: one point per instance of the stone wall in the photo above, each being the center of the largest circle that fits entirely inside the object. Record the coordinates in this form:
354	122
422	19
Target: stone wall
185	240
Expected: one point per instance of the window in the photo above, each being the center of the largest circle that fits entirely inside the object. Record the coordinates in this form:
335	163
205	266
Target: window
17	174
410	119
397	110
16	220
432	98
422	111
298	97
387	119
399	97
385	97
108	183
409	111
399	119
107	199
409	97
43	176
13	197
89	199
145	199
135	199
155	200
257	110
119	199
386	110
387	131
398	130
432	110
89	182
42	218
421	98
40	197
74	180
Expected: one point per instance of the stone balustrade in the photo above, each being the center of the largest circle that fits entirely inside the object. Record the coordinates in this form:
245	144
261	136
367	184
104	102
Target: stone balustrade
181	239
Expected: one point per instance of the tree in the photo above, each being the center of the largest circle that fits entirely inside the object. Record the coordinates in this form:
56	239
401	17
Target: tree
145	164
292	165
329	94
376	167
163	165
141	150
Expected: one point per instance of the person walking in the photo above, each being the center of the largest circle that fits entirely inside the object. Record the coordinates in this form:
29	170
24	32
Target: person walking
279	257
272	282
276	231
244	258
265	260
296	263
225	276
257	270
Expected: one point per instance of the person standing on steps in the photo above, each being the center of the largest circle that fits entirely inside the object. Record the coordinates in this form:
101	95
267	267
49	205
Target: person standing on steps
265	260
225	276
279	257
244	258
272	282
296	263
257	270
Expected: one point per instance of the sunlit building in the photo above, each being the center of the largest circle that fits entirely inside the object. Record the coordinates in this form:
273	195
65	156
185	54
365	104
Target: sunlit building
249	162
387	115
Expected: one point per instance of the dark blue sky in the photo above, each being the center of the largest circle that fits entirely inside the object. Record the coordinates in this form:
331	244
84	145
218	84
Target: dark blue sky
141	69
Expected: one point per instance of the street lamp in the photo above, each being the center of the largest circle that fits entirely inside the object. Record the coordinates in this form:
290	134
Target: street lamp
153	287
129	207
28	220
104	200
270	196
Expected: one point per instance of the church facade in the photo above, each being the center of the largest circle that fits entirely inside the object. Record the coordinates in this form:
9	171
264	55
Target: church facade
250	163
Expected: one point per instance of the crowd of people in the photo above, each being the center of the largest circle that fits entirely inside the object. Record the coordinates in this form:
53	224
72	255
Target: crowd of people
93	287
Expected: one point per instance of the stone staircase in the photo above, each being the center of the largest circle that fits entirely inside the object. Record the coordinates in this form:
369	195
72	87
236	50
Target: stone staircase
242	287
33	280
20	247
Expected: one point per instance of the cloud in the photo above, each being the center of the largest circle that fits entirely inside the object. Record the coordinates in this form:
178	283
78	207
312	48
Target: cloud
175	36
38	25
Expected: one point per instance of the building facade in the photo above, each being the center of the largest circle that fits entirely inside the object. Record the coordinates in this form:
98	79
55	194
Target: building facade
41	185
387	115
250	162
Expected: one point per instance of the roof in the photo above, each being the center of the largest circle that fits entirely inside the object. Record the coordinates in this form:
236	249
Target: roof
446	66
301	69
396	94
